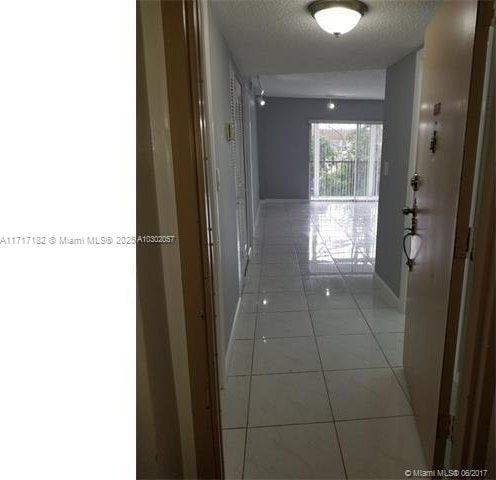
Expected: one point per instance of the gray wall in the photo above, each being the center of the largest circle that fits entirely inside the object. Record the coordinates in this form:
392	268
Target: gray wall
283	139
400	84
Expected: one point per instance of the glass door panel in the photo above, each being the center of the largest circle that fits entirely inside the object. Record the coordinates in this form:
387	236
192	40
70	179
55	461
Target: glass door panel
345	160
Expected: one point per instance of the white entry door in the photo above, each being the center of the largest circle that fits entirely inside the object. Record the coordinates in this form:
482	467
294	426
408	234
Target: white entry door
447	144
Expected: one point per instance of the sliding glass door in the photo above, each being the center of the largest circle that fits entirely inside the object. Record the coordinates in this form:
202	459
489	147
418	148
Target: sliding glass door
345	161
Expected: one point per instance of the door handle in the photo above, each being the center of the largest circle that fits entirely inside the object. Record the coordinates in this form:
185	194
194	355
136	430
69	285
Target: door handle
412	230
408	211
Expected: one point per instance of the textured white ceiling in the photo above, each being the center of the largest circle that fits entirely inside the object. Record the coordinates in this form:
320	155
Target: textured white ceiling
358	84
280	36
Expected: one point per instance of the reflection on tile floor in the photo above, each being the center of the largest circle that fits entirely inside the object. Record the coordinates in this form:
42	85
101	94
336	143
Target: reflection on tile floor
316	386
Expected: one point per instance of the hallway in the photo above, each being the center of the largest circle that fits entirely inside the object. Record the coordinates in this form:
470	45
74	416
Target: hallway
315	386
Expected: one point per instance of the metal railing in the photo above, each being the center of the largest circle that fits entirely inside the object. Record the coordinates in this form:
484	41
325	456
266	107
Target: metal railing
348	179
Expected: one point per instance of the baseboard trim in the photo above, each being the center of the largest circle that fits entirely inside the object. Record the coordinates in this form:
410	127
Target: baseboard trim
227	360
388	289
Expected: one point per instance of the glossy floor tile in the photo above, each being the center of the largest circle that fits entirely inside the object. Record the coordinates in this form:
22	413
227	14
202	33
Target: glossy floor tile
366	393
252	283
293	451
281	284
392	345
315	383
330	300
343	352
249	303
279	257
234	402
385	320
241	357
374	299
284	324
288	398
323	284
339	322
400	375
285	355
234	452
380	448
245	326
280	269
282	302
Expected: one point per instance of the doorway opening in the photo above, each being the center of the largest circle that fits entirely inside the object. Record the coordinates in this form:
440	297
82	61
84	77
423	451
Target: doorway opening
345	171
345	161
316	312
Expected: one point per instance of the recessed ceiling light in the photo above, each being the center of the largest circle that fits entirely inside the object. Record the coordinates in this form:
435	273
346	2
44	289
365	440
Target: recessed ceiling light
337	16
331	104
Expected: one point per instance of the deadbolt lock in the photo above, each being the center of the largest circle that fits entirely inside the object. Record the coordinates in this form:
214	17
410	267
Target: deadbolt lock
415	182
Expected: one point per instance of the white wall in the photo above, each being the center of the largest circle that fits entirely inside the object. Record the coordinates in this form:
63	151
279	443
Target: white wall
226	196
218	60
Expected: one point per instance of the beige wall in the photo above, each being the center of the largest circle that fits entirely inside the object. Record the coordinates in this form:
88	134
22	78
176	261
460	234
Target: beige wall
157	443
165	439
158	453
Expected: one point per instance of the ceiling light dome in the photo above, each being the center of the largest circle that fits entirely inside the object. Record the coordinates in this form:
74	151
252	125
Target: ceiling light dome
337	16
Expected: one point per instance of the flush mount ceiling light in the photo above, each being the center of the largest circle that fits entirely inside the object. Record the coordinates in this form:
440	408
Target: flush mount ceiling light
331	104
337	16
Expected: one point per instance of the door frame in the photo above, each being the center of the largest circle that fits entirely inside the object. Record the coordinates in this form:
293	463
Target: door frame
474	406
159	294
181	19
483	22
412	166
184	64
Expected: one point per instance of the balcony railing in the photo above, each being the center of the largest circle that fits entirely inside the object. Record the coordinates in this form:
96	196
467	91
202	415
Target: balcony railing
348	179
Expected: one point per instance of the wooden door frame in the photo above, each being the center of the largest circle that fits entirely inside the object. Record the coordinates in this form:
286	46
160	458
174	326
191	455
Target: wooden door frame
182	42
483	22
474	416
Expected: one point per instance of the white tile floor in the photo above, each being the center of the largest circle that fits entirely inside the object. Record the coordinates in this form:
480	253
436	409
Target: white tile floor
316	386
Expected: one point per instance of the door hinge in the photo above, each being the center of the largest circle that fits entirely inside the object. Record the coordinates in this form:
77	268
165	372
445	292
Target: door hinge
463	242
